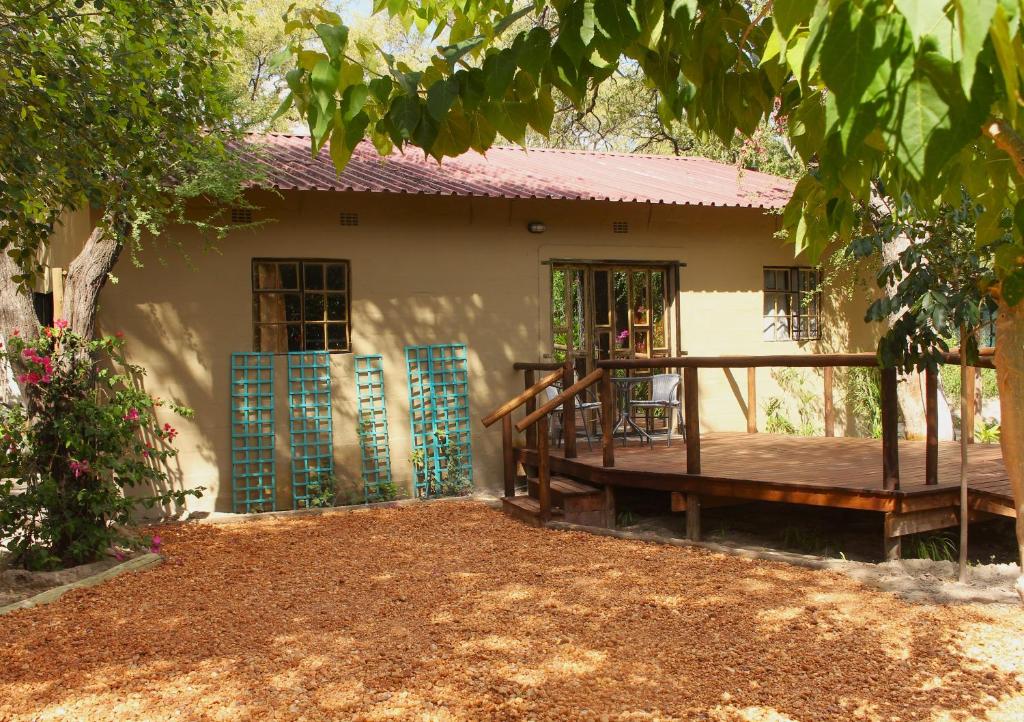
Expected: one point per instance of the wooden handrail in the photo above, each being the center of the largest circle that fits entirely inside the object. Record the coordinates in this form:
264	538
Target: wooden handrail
509	406
567	395
862	360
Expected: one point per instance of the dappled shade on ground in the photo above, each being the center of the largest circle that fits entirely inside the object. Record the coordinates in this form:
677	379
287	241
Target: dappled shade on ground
451	611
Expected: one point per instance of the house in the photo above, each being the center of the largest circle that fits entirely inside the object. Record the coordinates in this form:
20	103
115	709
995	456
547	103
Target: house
441	277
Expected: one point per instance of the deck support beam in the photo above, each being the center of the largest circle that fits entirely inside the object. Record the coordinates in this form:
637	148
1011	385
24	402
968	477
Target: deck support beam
890	431
508	456
569	413
830	409
691	411
693	517
931	472
531	406
607	392
751	400
544	469
609	506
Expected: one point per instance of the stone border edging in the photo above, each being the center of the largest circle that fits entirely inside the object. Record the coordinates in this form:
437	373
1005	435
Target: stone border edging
228	518
137	564
759	553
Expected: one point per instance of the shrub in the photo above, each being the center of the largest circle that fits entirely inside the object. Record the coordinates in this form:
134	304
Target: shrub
85	434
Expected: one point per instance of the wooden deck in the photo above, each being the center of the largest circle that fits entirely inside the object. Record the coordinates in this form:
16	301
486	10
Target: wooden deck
822	471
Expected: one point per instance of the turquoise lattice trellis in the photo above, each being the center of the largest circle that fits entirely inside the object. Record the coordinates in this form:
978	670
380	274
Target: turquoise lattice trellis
439	419
310	429
373	425
252	432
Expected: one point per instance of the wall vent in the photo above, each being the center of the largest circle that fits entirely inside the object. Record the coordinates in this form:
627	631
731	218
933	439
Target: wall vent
620	226
241	215
348	219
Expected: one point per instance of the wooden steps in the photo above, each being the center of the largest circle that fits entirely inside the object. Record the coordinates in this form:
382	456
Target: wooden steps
571	501
526	509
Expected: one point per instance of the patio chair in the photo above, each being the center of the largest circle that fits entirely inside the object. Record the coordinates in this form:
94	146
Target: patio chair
551	392
664	395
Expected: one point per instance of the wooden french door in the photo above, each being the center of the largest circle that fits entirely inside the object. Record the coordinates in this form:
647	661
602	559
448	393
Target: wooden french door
615	309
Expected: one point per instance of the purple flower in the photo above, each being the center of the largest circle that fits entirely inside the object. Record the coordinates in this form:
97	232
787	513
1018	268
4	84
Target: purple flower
155	543
132	415
79	467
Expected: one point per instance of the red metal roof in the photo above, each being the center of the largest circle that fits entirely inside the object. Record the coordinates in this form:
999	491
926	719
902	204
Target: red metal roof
507	172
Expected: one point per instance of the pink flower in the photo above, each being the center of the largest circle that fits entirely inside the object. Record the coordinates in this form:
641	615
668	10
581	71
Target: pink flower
145	453
170	431
132	415
79	467
119	555
154	544
30	378
60	323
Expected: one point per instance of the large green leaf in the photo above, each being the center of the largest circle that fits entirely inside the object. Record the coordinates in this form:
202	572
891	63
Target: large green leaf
1002	42
921	140
858	53
924	17
353	100
334	38
441	96
324	81
791	14
973	18
404	116
499	69
618	20
532	50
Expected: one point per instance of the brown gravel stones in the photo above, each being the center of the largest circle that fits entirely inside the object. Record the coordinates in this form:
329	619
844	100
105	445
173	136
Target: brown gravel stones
455	612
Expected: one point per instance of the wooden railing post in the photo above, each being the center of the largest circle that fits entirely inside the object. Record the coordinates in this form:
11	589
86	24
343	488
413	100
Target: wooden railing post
830	409
543	469
890	431
751	400
531	406
569	413
931	464
508	456
608	415
691	410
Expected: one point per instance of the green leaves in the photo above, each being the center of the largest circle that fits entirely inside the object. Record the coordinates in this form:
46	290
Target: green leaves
872	94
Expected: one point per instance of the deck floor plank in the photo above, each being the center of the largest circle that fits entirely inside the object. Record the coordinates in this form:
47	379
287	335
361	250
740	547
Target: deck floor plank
843	464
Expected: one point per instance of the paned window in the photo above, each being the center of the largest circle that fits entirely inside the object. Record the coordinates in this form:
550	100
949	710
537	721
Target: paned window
300	305
792	304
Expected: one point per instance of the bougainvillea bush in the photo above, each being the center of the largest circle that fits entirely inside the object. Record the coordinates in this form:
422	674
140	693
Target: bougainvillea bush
81	452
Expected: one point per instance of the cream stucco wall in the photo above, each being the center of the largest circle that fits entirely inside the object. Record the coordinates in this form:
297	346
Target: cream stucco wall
437	270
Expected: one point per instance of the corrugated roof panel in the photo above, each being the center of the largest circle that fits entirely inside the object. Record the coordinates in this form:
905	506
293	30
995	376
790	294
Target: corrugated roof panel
516	173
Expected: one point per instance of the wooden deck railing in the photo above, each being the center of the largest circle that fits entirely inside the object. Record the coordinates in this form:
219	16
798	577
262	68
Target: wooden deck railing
536	420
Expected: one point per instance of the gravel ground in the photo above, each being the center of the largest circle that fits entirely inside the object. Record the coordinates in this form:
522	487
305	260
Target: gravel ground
455	612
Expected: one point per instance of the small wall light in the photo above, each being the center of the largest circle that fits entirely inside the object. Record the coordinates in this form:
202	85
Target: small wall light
536	227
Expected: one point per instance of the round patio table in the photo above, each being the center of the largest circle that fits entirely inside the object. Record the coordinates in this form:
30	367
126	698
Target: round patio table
623	395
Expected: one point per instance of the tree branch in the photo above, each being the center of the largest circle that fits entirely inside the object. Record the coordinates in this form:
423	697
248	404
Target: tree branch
1007	140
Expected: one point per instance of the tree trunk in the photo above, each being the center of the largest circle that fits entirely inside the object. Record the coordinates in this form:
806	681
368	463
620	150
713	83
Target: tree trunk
16	314
1010	376
910	391
87	275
